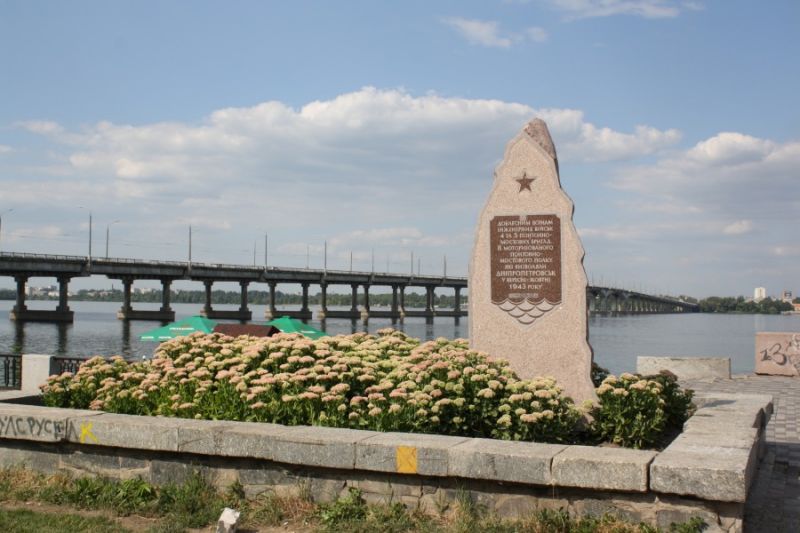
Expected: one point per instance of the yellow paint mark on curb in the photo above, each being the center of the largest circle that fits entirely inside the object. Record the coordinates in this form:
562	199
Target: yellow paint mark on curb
406	460
86	432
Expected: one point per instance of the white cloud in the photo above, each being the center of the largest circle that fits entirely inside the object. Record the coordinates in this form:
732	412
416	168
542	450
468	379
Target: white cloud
585	141
487	33
42	127
651	9
787	250
537	34
730	148
738	228
482	32
369	167
5	149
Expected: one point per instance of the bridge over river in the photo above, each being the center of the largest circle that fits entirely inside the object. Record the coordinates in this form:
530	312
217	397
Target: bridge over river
22	266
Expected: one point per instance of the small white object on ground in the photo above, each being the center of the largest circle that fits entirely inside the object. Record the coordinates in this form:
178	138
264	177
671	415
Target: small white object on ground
228	521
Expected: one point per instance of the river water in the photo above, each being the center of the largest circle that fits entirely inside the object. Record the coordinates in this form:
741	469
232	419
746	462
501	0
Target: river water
616	341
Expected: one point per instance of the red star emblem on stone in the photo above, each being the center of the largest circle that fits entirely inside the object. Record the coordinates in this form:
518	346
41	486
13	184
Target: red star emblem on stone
525	182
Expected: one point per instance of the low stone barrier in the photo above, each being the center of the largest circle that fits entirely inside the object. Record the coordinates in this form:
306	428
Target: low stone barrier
705	472
686	367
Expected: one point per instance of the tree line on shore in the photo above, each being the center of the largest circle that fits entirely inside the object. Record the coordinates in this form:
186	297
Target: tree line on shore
412	299
730	304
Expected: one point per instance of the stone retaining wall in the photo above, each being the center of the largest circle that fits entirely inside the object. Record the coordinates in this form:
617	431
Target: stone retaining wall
705	472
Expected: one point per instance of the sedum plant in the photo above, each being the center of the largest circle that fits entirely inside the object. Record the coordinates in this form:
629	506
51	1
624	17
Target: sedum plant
384	382
639	411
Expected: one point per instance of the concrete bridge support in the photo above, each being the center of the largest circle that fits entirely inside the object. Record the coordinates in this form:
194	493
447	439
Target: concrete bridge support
323	301
243	313
62	312
127	312
365	311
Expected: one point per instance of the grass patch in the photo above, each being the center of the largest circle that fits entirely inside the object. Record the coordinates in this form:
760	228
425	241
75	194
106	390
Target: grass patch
25	521
196	504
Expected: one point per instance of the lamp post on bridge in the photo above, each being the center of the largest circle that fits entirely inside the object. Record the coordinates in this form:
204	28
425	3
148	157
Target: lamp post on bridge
90	233
1	219
108	227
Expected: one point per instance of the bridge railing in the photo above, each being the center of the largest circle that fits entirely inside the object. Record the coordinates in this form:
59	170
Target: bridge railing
69	364
10	371
25	255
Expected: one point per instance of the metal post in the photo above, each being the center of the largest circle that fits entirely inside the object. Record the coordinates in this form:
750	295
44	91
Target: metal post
308	254
445	266
266	248
373	260
254	253
1	220
90	238
107	233
351	260
412	262
190	246
325	258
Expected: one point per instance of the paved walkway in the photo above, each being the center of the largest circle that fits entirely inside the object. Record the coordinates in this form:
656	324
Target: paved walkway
774	501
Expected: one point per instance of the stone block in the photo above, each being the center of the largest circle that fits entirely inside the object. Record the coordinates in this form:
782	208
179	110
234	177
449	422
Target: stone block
730	414
434	504
712	399
515	506
36	368
406	453
777	353
318	446
244	439
126	431
266	474
680	515
686	367
552	504
600	507
200	436
325	490
175	471
602	468
43	424
33	459
103	463
713	473
694	436
520	462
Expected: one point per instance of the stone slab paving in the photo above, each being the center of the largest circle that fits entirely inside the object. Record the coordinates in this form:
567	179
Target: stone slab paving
774	501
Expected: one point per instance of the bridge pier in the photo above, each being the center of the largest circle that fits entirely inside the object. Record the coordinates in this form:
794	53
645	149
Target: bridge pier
62	312
365	310
323	301
243	313
273	312
127	312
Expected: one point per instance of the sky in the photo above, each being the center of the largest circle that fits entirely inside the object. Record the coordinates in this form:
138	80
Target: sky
373	128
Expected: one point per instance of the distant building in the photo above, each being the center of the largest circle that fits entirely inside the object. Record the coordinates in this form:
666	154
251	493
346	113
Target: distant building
759	294
786	296
796	308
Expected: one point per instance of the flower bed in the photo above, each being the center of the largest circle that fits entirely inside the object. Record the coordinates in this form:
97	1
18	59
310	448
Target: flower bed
386	382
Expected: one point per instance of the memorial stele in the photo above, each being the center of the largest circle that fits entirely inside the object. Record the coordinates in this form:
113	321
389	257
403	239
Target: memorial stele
527	284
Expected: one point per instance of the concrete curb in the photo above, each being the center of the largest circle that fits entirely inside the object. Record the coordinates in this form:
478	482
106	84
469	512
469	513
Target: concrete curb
714	459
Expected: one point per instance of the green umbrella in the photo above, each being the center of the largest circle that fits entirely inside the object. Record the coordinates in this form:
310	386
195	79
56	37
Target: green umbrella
290	325
179	328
